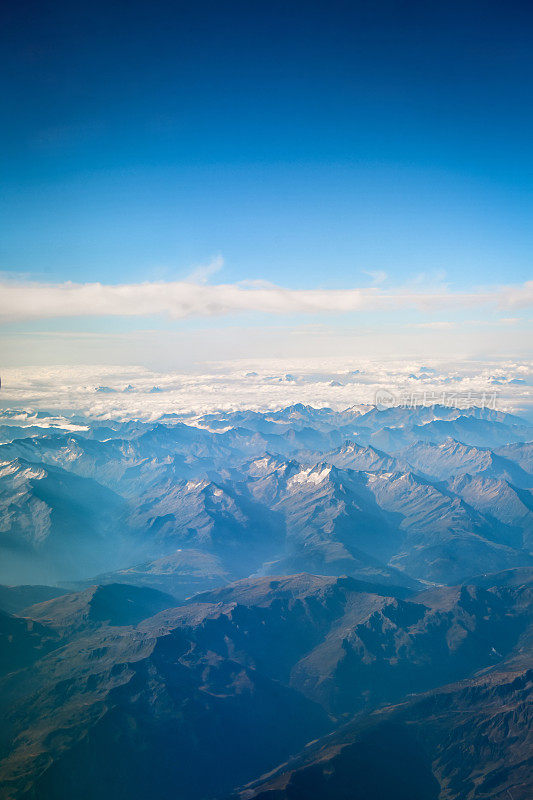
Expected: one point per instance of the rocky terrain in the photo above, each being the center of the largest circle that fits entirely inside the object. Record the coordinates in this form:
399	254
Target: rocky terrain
269	606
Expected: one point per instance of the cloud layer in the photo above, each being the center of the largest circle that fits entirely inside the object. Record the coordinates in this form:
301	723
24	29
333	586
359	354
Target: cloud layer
183	299
126	392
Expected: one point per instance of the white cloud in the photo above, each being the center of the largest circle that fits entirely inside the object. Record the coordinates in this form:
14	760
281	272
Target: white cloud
436	325
182	299
259	384
203	272
378	276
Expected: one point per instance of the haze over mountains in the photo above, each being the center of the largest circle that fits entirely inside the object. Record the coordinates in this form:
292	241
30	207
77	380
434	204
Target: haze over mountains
198	600
400	495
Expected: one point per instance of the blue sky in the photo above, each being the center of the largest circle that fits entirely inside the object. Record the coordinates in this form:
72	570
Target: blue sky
329	146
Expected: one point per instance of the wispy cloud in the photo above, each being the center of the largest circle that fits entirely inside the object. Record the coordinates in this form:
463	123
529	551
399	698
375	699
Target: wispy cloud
203	272
196	298
378	276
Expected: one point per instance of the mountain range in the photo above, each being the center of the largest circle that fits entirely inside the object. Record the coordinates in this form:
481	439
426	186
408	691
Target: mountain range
268	605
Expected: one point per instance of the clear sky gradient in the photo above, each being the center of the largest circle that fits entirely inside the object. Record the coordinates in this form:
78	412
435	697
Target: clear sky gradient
325	145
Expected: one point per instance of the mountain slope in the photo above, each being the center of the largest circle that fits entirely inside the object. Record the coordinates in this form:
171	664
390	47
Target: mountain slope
55	525
471	740
235	681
